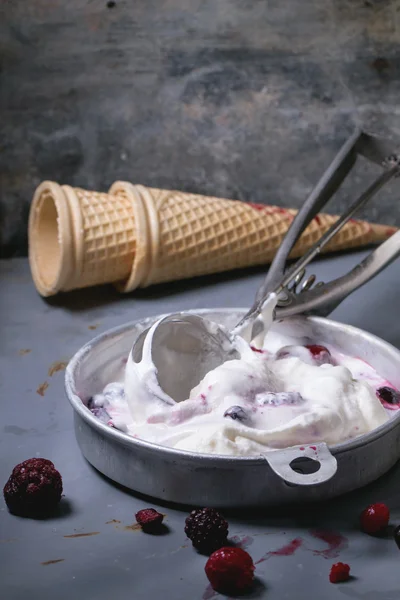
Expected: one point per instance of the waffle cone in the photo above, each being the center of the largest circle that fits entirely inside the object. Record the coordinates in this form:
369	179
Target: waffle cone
80	238
136	236
194	235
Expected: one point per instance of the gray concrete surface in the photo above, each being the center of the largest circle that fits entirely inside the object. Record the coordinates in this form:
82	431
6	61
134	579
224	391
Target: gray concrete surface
109	559
245	99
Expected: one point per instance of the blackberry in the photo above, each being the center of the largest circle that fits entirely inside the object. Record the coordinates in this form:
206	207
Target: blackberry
207	529
34	488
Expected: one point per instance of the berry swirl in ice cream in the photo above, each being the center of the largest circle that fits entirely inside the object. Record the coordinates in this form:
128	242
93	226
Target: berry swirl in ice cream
286	393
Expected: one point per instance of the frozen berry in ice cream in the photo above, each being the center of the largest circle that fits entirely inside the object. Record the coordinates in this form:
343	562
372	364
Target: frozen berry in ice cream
258	350
237	413
317	350
389	397
230	571
375	518
313	354
34	488
320	354
207	529
279	398
149	519
339	572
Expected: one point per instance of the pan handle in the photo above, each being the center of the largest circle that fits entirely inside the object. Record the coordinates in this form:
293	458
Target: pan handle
303	465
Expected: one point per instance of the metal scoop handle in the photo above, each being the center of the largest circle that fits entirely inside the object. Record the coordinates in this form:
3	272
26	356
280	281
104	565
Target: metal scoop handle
323	299
327	296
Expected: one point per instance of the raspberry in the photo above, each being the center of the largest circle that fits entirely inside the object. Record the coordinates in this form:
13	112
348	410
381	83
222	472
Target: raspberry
339	572
207	529
149	519
375	518
34	488
230	570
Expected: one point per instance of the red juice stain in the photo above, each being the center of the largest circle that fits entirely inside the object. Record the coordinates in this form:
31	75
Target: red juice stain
257	349
242	542
301	448
313	448
286	550
336	543
209	593
257	206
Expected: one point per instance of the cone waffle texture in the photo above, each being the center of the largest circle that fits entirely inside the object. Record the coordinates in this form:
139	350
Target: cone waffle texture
196	235
136	236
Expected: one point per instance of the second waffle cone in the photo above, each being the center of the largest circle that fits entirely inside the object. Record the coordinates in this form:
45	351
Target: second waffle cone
192	235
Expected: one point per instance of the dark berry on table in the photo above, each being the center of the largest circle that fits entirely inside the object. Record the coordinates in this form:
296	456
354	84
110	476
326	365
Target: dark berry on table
388	395
149	519
236	413
339	572
396	536
230	571
207	529
34	488
375	518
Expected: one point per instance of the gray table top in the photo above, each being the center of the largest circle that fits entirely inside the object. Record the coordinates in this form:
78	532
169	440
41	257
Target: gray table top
40	559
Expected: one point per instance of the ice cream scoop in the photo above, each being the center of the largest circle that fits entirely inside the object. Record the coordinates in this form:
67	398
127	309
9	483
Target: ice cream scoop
195	346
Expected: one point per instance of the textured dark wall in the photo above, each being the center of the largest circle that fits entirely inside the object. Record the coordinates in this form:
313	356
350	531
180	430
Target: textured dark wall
246	99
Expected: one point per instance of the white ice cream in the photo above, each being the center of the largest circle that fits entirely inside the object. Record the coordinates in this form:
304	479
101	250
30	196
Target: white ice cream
283	396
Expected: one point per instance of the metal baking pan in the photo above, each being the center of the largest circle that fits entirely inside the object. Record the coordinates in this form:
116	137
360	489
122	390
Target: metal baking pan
318	473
